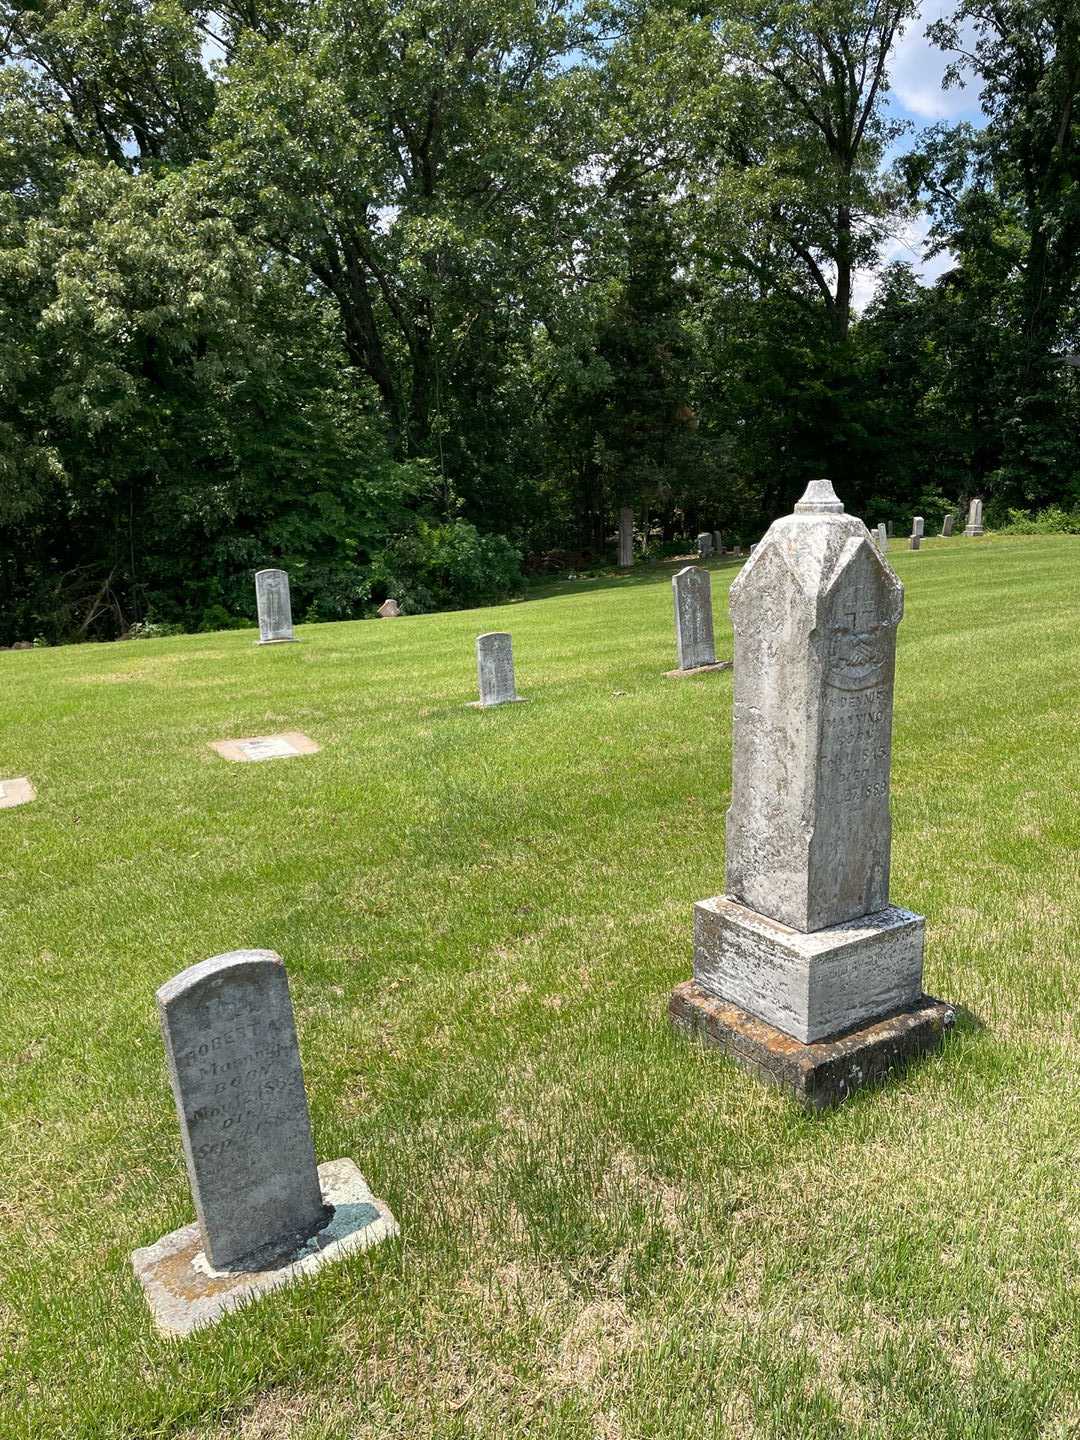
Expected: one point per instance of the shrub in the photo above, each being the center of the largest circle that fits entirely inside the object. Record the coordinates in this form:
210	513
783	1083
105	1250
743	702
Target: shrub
1053	521
445	567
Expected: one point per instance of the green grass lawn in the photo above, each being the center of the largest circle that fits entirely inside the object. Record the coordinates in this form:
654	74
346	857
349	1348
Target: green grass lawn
606	1231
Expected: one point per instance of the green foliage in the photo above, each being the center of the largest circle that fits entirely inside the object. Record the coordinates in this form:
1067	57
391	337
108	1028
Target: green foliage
446	567
1052	521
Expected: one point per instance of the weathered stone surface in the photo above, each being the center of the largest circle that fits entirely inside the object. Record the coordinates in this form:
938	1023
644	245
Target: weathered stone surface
825	1072
704	545
266	747
495	670
692	589
389	610
236	1078
274	606
918	526
808	986
882	537
916	541
626	537
947	527
815	611
19	791
974	524
185	1294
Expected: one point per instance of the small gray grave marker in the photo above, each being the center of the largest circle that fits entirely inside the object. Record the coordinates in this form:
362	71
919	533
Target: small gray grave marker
918	526
626	538
718	543
265	1211
389	610
275	607
704	545
947	527
974	524
882	537
692	589
916	541
495	670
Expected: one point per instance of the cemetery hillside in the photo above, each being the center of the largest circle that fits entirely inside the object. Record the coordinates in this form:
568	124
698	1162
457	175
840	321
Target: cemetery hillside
525	1204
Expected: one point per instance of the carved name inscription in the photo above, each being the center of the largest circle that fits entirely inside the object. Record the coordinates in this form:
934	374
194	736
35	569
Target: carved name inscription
239	1090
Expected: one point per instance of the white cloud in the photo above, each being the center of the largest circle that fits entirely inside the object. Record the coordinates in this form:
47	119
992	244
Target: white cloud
909	244
916	68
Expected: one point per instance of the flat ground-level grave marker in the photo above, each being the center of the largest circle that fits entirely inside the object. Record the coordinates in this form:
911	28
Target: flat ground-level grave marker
266	747
16	792
266	1213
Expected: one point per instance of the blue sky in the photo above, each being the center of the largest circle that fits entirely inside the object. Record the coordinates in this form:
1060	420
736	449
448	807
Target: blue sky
917	95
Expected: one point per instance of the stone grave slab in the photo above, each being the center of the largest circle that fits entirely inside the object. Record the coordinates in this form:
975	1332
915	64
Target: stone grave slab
274	605
495	671
266	747
19	791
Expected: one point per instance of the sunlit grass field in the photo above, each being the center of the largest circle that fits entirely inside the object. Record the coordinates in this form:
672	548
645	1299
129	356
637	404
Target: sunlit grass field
606	1231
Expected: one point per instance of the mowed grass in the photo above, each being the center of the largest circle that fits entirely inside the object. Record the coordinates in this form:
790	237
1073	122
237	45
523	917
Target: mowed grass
606	1231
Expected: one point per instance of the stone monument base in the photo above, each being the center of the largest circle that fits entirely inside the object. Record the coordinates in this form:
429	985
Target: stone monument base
281	640
184	1293
494	704
824	1072
808	985
697	670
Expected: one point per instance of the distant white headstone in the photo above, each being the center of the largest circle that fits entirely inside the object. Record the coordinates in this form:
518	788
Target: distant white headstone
947	527
704	545
974	524
918	526
882	536
274	606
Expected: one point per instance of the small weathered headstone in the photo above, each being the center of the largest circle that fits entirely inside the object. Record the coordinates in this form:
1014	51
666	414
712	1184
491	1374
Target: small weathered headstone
882	536
916	541
19	791
974	524
704	545
495	670
626	538
266	747
754	546
692	589
918	526
266	1212
389	610
947	527
275	607
718	543
804	945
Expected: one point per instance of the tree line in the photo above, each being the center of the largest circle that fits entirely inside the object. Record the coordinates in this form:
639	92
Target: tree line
405	294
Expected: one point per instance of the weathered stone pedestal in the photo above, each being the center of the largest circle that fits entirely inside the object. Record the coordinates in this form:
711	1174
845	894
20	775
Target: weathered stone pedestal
825	1072
803	958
